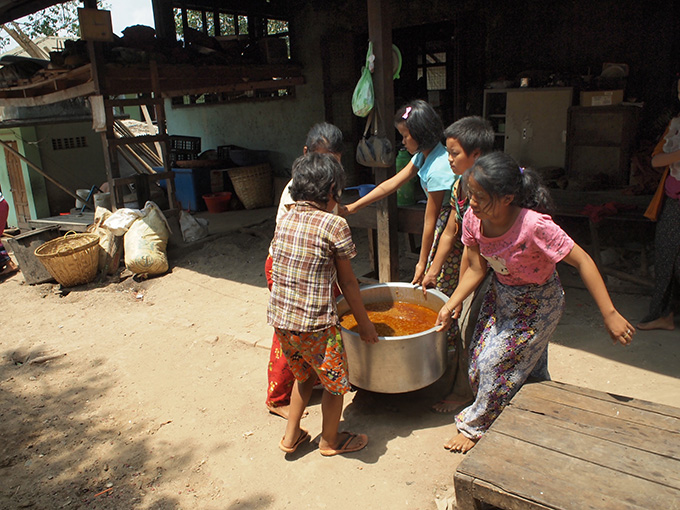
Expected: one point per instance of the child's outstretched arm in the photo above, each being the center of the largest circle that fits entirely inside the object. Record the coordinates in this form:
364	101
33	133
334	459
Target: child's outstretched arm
470	279
382	190
350	290
666	158
432	209
619	329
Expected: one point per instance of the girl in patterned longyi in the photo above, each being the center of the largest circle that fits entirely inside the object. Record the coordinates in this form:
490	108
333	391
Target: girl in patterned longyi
503	229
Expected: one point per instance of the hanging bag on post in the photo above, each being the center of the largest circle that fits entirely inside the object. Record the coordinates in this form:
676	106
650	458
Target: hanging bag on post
363	97
374	151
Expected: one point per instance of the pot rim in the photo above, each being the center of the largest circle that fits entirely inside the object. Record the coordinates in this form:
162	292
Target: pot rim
433	292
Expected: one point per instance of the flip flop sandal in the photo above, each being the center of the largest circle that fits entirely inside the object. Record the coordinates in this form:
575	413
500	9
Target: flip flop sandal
304	435
345	447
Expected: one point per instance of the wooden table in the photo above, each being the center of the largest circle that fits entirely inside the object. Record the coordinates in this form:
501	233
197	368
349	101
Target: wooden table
558	446
410	221
629	217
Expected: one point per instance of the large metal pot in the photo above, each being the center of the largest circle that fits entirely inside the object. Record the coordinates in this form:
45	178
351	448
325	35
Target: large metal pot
396	364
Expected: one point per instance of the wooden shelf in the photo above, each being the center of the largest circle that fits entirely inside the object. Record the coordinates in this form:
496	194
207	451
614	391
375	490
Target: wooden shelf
173	80
599	145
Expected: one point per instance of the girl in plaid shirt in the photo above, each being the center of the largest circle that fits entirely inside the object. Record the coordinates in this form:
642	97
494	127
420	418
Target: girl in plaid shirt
311	250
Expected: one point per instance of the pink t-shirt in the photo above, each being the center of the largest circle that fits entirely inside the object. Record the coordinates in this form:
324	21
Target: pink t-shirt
527	253
672	187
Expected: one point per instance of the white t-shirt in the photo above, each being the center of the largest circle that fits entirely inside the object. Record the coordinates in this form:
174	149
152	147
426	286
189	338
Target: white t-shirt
285	203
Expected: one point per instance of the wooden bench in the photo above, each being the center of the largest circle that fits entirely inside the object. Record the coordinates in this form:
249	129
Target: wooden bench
558	446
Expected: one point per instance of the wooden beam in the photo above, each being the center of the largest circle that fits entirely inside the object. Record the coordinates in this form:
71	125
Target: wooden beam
24	41
133	158
133	102
123	131
235	87
112	170
380	34
8	99
149	125
138	139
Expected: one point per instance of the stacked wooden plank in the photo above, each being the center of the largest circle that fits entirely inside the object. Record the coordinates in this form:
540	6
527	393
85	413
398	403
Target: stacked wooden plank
558	446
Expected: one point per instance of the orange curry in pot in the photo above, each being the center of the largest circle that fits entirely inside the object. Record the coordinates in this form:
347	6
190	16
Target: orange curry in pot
397	318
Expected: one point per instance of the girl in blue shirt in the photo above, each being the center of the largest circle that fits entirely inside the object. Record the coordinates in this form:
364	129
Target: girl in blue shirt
421	130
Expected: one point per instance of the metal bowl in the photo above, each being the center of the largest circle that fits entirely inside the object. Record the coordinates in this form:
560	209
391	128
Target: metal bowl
396	364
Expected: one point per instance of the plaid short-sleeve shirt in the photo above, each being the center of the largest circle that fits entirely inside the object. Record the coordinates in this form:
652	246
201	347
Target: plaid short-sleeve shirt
306	243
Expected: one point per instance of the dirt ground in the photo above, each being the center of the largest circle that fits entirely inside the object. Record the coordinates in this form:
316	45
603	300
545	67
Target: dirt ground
155	399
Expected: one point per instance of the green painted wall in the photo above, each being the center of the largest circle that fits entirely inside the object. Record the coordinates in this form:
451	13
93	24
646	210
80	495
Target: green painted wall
33	181
73	168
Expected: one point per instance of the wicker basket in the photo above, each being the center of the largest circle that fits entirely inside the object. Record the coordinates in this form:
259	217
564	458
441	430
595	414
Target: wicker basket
71	259
253	185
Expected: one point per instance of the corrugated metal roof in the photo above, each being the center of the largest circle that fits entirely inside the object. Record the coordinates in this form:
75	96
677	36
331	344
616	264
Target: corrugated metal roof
13	9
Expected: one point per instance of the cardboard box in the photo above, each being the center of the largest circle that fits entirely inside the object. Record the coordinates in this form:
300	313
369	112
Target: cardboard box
95	24
601	97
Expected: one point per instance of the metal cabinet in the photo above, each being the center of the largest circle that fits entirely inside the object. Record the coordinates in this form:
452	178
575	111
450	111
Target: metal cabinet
530	123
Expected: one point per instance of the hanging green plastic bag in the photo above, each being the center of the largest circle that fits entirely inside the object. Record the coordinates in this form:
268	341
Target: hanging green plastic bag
363	97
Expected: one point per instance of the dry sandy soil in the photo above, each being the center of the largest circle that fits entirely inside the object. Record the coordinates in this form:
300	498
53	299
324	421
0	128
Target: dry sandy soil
156	397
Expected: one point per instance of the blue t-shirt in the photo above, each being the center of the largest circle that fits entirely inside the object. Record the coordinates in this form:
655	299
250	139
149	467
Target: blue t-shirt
435	172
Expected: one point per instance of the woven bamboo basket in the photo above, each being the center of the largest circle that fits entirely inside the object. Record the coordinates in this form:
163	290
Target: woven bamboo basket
71	259
253	185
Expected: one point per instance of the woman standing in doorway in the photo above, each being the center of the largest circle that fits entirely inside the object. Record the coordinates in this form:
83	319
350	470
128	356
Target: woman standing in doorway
665	209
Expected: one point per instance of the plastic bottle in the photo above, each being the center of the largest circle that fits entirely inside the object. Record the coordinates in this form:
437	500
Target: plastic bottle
405	194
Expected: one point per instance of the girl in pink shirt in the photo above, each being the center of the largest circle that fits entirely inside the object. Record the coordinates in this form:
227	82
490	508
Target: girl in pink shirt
504	230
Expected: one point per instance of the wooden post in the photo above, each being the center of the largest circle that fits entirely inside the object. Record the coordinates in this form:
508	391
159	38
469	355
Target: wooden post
162	130
95	51
380	34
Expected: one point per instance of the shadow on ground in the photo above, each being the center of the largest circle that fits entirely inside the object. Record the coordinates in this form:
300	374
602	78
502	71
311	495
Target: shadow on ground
60	449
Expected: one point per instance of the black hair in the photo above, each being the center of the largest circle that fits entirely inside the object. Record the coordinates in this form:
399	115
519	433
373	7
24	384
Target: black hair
324	136
500	175
315	176
422	122
472	133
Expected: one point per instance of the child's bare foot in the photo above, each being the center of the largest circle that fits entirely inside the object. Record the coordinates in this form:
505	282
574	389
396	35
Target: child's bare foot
660	323
450	403
282	411
460	443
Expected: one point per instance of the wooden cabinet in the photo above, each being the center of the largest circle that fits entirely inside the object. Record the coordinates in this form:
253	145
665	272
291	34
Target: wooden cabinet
599	145
530	124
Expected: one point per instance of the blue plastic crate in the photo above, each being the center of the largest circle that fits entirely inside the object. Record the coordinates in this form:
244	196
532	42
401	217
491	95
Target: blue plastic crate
190	186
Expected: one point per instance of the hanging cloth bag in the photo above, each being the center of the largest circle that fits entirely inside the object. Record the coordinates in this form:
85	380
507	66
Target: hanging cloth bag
363	97
374	150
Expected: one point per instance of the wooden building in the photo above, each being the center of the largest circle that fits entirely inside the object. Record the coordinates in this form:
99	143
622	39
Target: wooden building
255	95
